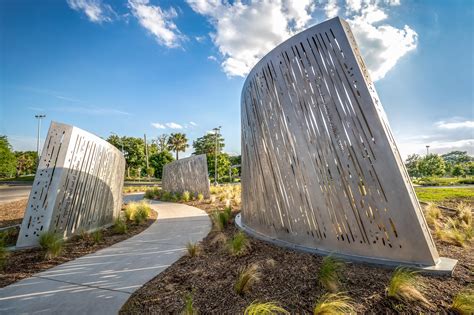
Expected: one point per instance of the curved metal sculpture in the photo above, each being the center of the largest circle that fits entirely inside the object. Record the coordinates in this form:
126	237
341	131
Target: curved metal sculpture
188	174
320	168
77	187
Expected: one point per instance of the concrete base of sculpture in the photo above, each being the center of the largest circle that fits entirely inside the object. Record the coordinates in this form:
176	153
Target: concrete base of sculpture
444	266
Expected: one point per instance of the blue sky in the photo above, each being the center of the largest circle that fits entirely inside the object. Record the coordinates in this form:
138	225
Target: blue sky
137	66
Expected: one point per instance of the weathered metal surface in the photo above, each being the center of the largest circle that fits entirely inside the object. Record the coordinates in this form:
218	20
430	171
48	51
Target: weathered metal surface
320	167
188	174
77	187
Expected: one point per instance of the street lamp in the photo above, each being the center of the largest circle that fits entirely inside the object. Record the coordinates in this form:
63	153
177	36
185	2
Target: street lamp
216	130
39	117
121	142
427	149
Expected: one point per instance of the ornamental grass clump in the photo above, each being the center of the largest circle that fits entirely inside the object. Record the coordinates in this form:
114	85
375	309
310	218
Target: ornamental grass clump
246	279
464	213
142	213
329	273
193	249
454	233
189	308
405	287
200	197
186	196
239	244
433	215
165	196
97	236
152	193
120	227
334	304
129	211
51	243
268	308
463	302
221	219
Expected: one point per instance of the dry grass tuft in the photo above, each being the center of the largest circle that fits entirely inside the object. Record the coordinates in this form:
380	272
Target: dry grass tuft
405	286
334	303
246	279
239	244
329	273
463	302
268	308
433	215
193	249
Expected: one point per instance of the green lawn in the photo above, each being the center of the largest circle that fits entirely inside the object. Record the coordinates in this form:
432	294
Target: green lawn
28	178
433	194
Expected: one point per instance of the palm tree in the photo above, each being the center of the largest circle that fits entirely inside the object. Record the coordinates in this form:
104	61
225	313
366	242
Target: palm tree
178	142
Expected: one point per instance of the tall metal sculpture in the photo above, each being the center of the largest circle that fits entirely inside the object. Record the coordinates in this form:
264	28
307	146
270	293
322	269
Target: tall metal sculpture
320	168
188	174
77	187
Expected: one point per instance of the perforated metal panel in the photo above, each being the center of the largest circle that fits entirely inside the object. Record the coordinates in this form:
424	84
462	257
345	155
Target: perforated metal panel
78	185
188	174
320	167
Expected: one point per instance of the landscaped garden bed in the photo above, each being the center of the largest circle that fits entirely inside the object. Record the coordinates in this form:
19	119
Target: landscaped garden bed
211	281
21	264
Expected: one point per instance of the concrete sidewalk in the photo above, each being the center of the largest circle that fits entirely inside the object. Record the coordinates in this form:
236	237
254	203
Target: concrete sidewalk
100	283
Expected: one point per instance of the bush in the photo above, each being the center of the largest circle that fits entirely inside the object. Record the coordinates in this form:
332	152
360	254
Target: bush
268	308
165	196
51	243
200	197
97	236
141	213
120	227
404	286
334	303
463	302
186	196
152	193
466	181
193	249
246	279
329	272
239	244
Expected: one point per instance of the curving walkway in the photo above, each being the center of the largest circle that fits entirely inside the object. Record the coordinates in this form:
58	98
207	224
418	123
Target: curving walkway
100	283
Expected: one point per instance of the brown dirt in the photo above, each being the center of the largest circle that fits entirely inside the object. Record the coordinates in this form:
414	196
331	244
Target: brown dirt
287	277
23	263
11	213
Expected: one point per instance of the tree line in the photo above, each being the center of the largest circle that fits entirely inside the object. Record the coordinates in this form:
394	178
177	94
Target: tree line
16	163
454	163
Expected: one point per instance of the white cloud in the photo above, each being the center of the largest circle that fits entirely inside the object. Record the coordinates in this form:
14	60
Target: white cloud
173	125
95	10
455	125
212	58
200	39
245	31
158	22
192	123
158	126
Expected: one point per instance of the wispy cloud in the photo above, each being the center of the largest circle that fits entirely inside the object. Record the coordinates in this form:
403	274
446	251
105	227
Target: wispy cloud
200	39
69	99
86	110
95	10
158	126
173	125
192	123
158	22
467	124
212	58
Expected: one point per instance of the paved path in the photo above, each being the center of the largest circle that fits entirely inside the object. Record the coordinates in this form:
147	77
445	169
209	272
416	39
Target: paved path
13	193
100	283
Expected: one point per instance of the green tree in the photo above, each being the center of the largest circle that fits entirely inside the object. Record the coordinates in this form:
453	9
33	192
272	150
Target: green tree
432	165
458	170
178	142
27	162
223	165
134	152
469	168
158	160
7	159
412	165
236	160
162	143
456	157
207	144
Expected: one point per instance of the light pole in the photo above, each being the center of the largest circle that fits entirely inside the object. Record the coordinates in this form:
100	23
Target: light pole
427	149
39	117
216	130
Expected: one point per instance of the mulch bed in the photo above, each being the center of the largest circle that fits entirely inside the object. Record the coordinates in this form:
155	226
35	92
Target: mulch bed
11	213
24	263
287	277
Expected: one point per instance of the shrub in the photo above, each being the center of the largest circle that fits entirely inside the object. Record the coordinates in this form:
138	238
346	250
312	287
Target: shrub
329	272
268	308
120	227
239	244
152	193
463	302
334	303
97	236
129	211
466	181
200	197
51	243
175	197
141	213
186	196
246	279
165	196
404	286
193	249
189	308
